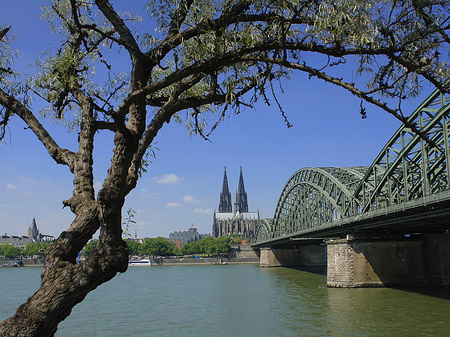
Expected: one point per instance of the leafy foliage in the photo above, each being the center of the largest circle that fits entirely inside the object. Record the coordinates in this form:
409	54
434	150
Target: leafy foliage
10	251
151	247
89	248
207	246
205	54
36	248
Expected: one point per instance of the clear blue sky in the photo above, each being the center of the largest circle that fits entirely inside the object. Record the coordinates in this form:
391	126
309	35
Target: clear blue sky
183	184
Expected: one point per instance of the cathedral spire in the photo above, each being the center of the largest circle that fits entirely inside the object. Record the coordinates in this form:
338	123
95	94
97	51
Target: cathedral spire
225	205
241	195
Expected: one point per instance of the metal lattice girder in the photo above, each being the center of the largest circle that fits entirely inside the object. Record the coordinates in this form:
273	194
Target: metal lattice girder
410	165
264	230
412	170
314	196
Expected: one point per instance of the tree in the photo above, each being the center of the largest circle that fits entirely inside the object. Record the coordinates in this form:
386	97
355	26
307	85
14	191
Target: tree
36	248
134	247
207	58
9	251
208	246
157	247
89	248
5	250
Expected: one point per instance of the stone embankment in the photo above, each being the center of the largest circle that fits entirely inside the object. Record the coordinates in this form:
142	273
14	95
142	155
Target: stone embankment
26	262
240	254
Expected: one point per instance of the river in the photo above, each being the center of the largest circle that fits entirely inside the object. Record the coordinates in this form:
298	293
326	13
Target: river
237	300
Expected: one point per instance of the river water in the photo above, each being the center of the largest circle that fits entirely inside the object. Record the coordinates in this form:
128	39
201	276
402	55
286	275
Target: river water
237	300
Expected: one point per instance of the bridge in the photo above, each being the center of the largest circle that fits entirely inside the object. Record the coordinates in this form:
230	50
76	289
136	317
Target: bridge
400	203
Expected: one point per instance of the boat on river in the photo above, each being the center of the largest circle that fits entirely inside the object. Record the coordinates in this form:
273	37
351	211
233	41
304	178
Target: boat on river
139	263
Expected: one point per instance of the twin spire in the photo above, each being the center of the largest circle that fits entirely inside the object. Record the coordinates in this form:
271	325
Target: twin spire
240	204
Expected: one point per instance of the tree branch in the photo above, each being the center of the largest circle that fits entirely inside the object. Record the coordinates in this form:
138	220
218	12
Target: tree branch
125	34
349	87
61	156
179	17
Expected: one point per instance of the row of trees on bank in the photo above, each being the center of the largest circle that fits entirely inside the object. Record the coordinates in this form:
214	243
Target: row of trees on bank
9	251
162	247
151	246
32	249
208	246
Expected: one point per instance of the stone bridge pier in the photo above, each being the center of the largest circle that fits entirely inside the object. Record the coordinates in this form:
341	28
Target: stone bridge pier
304	256
371	262
421	260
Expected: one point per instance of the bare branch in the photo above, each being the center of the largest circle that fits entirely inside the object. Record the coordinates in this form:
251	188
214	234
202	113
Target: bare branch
61	156
3	32
125	34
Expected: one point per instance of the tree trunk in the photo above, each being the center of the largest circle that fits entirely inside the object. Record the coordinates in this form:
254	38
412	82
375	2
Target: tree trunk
65	283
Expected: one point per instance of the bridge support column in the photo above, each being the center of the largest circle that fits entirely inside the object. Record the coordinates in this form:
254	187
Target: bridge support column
305	256
423	260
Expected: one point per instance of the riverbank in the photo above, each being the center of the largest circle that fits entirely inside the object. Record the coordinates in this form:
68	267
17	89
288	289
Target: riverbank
240	254
173	261
26	262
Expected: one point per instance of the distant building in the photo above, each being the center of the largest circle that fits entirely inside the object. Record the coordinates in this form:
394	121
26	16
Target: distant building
33	232
181	238
240	221
22	240
15	240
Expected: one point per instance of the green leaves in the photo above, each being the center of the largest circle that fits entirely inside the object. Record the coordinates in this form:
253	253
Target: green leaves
207	246
36	248
156	247
208	59
9	251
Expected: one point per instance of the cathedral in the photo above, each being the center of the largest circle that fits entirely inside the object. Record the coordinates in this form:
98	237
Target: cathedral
240	221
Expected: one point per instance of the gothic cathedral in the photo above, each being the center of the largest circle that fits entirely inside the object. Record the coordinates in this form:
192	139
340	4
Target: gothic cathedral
240	221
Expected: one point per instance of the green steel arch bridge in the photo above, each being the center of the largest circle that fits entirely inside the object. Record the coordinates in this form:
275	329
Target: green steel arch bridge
406	190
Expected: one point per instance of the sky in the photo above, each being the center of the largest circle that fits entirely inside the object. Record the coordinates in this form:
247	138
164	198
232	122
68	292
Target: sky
183	183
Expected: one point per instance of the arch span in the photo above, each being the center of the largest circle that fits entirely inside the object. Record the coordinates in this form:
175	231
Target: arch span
412	164
411	169
264	230
313	196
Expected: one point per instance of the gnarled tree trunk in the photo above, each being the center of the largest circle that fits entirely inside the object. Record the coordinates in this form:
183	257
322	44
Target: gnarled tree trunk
65	283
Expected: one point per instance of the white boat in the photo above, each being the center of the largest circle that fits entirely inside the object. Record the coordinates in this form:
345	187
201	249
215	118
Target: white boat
139	263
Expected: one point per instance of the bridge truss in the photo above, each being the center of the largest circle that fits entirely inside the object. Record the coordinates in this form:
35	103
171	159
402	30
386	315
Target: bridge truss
410	174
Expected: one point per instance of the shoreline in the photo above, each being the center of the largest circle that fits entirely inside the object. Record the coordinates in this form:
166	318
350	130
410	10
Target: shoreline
159	261
26	262
173	261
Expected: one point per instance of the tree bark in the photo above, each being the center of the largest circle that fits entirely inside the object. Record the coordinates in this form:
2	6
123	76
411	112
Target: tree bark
65	283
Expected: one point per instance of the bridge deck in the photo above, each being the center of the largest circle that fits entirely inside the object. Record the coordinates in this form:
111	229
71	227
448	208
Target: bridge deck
427	214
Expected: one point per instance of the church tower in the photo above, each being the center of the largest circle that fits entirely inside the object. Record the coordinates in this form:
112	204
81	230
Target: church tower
33	230
225	205
238	221
241	195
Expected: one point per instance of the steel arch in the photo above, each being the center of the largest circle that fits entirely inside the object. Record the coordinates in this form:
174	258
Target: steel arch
410	165
264	230
314	196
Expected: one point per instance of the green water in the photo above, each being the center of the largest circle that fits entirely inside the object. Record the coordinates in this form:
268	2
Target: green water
238	300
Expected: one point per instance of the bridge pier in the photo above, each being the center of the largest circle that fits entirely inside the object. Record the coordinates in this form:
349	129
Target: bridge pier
304	256
421	260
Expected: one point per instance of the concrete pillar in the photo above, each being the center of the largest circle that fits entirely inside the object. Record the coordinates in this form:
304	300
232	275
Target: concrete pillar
424	260
305	256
